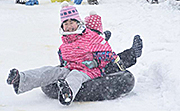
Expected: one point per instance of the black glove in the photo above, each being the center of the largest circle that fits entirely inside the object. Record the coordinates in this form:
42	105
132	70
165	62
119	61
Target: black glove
137	45
107	35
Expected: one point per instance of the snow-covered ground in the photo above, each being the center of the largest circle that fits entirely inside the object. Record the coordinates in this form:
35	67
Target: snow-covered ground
29	38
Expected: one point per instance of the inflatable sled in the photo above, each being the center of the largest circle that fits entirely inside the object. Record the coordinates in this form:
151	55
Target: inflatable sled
108	87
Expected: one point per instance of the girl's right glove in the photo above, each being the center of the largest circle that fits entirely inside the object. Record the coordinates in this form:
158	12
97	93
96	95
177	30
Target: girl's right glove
90	64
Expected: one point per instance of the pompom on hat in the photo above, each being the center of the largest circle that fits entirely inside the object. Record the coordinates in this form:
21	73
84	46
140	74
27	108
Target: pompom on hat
93	21
68	12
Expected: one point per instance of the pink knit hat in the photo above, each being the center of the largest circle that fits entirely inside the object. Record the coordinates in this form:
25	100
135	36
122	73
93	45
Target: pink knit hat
68	12
94	22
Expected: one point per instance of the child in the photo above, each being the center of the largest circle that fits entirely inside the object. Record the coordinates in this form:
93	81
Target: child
80	44
127	57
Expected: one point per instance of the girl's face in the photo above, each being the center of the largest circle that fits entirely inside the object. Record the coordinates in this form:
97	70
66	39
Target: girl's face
70	26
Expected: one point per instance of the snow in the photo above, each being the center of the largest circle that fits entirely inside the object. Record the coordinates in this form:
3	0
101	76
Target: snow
29	38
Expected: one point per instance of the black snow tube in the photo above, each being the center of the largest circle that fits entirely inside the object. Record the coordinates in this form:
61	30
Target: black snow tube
108	87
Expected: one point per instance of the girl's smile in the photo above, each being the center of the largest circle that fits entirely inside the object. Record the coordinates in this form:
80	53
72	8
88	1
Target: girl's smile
70	26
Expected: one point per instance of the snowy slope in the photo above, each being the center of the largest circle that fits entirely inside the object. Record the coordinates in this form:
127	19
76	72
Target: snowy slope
29	38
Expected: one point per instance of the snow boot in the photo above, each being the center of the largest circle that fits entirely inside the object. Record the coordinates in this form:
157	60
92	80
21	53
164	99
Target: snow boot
115	66
107	35
32	2
128	57
108	87
20	1
77	2
65	94
14	79
92	2
137	46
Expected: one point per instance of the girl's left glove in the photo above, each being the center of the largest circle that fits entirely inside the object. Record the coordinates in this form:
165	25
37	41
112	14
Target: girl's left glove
91	64
107	34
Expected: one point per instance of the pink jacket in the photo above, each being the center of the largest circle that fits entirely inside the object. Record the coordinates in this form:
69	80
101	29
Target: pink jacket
77	48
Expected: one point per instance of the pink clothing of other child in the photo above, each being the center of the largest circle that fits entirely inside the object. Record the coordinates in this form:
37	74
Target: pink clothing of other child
93	21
